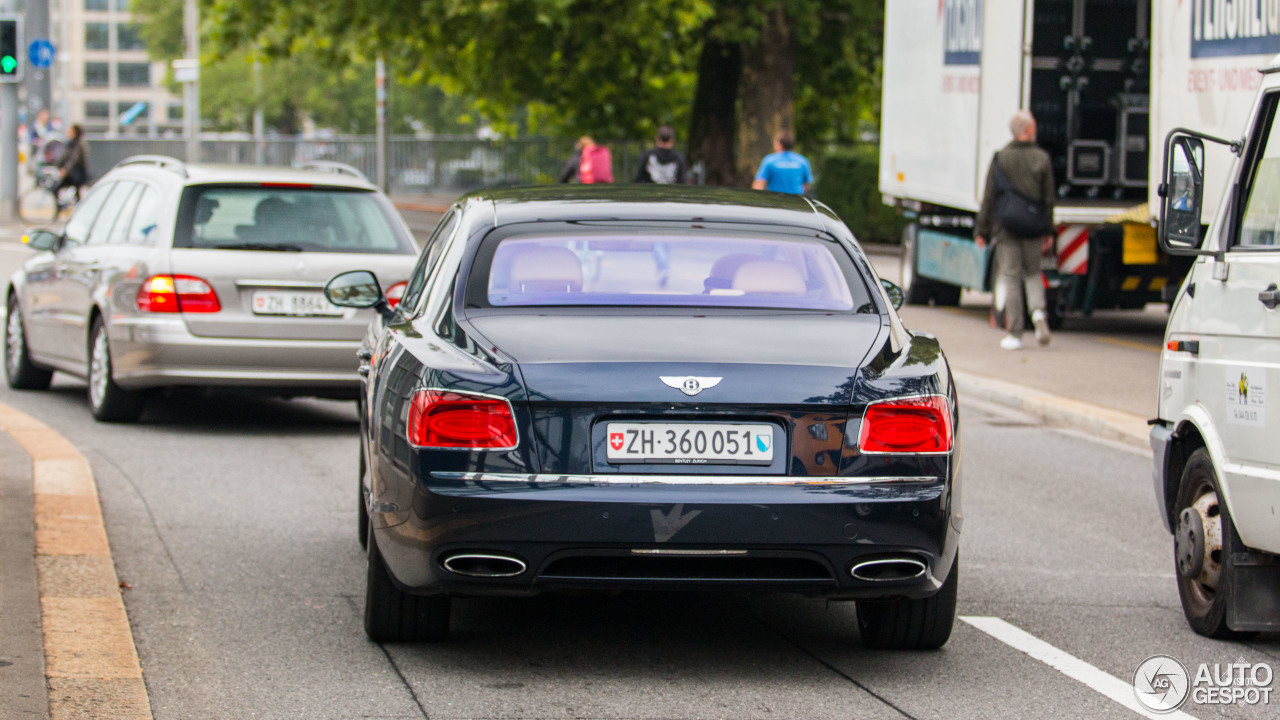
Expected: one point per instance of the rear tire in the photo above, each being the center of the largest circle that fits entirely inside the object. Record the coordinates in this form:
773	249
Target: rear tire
903	624
392	615
108	401
19	371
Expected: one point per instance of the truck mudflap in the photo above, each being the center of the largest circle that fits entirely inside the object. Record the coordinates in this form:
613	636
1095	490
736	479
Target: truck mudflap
1254	600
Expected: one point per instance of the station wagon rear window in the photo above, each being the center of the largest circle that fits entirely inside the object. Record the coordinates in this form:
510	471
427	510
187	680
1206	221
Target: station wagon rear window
288	218
674	269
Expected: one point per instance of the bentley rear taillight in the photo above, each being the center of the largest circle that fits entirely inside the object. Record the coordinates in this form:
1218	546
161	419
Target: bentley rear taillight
908	425
177	293
451	420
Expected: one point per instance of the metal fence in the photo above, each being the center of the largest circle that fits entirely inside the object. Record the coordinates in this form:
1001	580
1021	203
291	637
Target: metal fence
414	165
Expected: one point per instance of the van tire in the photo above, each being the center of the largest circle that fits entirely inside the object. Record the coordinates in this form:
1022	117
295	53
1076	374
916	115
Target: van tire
1204	604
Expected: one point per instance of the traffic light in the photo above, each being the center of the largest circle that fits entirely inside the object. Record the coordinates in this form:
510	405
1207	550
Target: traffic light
10	49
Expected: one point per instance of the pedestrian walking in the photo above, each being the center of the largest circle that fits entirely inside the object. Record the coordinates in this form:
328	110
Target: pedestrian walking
786	170
1017	215
74	166
590	163
662	164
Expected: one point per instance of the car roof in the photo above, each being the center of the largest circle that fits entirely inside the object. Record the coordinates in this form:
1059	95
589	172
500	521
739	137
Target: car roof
212	174
648	202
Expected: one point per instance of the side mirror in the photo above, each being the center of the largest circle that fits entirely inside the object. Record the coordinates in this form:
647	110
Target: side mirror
42	240
357	289
894	292
1183	192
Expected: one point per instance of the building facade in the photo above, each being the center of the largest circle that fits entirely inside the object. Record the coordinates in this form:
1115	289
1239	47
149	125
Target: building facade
105	80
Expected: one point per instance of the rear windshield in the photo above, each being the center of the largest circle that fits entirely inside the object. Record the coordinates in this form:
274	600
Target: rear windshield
289	218
673	268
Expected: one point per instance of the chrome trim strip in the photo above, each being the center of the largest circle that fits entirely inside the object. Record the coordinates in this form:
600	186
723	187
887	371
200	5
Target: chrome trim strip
548	479
687	553
296	284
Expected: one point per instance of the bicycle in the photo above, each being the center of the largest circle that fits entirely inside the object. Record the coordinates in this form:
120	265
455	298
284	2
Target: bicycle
38	204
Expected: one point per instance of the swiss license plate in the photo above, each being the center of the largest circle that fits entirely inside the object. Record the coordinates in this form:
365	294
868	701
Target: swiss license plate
689	443
284	302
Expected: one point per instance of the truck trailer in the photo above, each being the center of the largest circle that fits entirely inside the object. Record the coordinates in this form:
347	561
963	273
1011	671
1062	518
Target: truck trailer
1107	80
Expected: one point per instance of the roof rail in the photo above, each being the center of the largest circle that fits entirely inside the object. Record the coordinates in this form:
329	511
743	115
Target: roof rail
333	167
161	161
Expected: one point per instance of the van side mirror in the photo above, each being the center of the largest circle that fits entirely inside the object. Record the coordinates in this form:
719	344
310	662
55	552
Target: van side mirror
1183	195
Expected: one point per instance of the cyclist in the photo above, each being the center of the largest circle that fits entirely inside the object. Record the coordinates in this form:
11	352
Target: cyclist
73	169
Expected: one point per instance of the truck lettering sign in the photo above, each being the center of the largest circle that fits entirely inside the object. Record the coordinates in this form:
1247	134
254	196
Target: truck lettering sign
1226	28
962	31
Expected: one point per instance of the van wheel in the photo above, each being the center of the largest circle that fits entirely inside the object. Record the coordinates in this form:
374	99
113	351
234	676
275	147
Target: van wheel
393	615
108	401
19	371
1204	539
903	624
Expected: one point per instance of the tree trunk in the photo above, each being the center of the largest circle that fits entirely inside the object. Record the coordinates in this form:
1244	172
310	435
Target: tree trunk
767	89
714	123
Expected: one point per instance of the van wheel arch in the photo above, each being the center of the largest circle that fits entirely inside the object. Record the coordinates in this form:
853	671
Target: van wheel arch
1187	439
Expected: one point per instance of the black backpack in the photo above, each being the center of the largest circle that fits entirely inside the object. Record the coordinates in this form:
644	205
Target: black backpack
1018	214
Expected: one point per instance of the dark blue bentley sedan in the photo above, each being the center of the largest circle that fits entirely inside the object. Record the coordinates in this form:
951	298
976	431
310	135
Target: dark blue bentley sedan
653	387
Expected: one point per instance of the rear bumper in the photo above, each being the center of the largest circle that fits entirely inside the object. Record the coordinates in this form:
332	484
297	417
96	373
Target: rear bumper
573	534
150	352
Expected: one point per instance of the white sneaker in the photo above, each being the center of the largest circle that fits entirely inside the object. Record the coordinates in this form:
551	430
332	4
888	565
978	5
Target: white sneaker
1011	342
1042	327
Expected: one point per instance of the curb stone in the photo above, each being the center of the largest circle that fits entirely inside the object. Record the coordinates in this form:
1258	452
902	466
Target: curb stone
1057	411
91	663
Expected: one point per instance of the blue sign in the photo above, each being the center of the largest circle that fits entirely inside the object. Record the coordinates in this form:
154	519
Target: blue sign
128	116
962	32
1224	28
41	53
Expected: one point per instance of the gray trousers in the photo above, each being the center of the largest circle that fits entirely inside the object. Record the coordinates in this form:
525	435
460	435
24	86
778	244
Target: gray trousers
1018	267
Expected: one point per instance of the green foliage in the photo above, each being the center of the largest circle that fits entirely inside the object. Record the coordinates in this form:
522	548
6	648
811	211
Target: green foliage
848	181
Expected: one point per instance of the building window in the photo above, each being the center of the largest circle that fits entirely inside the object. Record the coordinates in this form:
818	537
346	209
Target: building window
129	38
133	74
175	111
123	107
95	36
97	4
122	5
97	74
97	109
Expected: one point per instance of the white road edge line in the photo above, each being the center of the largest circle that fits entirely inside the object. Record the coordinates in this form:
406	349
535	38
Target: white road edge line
1067	664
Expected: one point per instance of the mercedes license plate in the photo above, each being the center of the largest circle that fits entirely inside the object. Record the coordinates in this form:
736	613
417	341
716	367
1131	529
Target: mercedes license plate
689	443
284	302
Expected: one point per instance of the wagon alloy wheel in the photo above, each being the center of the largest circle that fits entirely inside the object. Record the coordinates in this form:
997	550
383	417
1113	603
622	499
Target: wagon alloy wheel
392	615
20	372
108	401
903	624
1203	541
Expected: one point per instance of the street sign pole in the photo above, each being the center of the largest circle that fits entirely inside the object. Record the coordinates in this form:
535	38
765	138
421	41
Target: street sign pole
12	75
380	79
191	86
39	81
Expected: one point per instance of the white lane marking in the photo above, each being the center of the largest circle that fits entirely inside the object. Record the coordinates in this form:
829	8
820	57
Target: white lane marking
1067	664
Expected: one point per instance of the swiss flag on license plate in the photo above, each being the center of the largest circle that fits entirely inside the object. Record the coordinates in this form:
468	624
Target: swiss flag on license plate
615	441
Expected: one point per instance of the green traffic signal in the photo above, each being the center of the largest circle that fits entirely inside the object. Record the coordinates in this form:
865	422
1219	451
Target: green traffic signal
8	64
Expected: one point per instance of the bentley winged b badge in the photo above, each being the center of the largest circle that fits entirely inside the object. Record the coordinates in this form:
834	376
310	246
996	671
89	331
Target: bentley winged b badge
690	385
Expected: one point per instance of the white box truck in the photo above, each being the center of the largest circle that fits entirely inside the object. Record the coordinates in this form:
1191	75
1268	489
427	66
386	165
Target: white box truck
1106	80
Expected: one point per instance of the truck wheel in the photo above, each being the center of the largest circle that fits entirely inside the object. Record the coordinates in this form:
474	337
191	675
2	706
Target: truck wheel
946	295
1204	539
1052	310
393	615
915	289
902	624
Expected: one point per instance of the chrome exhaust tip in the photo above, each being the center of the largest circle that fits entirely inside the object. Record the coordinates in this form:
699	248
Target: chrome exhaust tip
484	565
888	569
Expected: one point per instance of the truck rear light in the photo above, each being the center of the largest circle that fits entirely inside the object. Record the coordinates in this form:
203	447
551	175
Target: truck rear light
395	292
177	293
460	421
907	425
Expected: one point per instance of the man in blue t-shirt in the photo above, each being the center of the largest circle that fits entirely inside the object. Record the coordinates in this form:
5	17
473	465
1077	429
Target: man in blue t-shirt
784	171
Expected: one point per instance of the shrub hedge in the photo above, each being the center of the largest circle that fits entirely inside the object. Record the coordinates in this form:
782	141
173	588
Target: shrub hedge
848	181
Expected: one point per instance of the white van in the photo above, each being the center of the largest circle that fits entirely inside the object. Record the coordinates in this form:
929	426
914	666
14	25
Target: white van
1216	437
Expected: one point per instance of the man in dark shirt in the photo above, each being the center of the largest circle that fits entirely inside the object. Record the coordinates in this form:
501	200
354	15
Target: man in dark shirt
1029	171
661	164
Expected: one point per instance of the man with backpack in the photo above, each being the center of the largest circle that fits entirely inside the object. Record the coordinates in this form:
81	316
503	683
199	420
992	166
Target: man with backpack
1017	215
661	163
590	163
